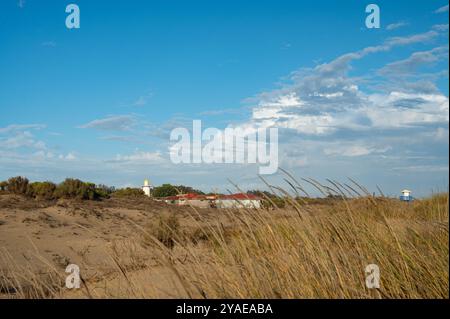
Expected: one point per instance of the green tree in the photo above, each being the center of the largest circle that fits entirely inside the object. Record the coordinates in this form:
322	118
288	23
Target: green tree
164	191
171	190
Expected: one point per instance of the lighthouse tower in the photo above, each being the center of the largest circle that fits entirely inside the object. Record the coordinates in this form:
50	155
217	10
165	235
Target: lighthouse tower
147	188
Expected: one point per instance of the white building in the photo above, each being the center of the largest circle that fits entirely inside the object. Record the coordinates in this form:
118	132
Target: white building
147	188
238	201
242	203
406	195
216	201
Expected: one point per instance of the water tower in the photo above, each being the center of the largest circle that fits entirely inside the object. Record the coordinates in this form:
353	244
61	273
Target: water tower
147	188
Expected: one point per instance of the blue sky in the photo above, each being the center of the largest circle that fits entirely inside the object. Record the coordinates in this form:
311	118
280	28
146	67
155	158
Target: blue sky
98	103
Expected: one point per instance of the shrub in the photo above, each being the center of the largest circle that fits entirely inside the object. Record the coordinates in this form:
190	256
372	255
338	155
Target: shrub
74	188
3	185
166	229
18	185
42	190
104	190
129	192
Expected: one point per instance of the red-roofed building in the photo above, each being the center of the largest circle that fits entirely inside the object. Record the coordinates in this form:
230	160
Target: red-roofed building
239	200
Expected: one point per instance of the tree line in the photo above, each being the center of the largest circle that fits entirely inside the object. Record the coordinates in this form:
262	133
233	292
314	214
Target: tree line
77	189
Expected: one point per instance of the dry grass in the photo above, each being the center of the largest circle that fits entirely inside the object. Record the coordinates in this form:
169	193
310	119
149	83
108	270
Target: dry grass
299	251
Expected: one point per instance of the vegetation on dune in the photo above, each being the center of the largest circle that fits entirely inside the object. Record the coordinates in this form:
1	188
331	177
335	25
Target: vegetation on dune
74	188
105	191
3	186
17	185
166	190
70	188
299	251
166	229
306	249
42	190
128	193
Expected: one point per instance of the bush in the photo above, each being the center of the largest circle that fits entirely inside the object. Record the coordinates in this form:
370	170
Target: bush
3	186
74	188
42	190
166	230
129	192
18	185
104	190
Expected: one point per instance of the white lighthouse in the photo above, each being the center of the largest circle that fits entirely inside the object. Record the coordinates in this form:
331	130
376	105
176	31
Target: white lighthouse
147	188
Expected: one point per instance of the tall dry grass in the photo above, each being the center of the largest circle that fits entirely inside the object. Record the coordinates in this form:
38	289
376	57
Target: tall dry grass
299	251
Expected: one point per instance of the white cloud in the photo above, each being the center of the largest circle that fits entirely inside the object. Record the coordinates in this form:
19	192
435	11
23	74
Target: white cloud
364	112
69	157
21	139
352	150
397	25
422	168
112	123
442	9
441	27
141	157
323	100
417	59
398	109
416	38
282	112
293	158
21	127
42	155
